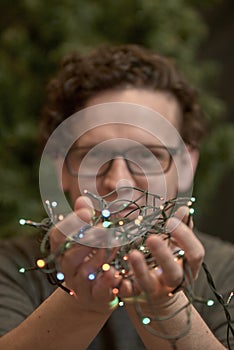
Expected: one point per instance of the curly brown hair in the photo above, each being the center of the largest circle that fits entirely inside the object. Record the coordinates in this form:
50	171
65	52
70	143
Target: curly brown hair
115	67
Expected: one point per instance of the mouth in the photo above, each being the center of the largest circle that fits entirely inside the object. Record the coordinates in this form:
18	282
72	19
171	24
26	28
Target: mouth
126	210
126	207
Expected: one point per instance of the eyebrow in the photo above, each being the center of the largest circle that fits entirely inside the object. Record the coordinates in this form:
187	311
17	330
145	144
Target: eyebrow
144	145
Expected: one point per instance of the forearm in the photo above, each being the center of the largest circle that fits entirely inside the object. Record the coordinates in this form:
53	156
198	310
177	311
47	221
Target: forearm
197	337
59	323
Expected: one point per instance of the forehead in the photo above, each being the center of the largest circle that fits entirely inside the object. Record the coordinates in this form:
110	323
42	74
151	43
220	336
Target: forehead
119	133
142	115
161	102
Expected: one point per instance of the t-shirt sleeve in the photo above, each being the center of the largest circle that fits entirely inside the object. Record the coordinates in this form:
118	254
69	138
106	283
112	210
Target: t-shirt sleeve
20	294
219	260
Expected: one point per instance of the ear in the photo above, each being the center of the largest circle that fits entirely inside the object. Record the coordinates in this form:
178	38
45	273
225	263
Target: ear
62	173
187	168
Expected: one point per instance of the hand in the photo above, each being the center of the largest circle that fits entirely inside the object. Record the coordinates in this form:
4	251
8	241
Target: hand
79	261
157	284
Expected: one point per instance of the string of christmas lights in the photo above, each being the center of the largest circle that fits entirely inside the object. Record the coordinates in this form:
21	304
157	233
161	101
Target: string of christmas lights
126	224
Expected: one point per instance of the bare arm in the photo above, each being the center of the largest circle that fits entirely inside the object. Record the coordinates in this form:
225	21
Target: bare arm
199	335
157	285
58	323
64	321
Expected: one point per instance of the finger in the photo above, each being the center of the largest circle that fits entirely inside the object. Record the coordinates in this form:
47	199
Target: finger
172	272
84	202
141	272
186	240
183	214
68	227
126	288
71	260
103	288
96	274
72	222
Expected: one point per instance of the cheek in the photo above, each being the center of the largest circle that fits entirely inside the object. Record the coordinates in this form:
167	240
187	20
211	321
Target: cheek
164	185
91	184
142	182
172	183
73	189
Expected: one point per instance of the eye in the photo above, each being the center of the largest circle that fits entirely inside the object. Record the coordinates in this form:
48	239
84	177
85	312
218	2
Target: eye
81	153
140	154
97	153
160	153
145	154
93	153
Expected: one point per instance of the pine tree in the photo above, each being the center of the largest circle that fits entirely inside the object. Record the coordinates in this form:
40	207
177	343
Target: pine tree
35	34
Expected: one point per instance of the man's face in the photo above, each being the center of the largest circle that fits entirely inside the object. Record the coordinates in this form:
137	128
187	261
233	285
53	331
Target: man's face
124	151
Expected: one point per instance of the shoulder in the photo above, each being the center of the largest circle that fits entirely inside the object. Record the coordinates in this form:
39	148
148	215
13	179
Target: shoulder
217	251
216	277
21	293
20	249
22	252
219	259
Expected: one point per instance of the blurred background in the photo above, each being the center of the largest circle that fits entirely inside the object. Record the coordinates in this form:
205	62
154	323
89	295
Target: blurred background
35	34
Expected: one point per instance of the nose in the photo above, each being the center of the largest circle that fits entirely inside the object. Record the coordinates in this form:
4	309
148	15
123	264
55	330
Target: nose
117	176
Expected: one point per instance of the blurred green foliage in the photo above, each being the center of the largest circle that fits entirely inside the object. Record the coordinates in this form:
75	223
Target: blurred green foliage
35	34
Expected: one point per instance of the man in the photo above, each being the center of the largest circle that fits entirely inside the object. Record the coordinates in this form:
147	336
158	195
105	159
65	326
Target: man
126	84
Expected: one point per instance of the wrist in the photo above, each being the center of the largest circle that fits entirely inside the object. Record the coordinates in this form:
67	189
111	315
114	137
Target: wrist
78	305
162	307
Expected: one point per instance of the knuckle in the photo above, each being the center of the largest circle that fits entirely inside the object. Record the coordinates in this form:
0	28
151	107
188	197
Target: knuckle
67	259
197	257
175	278
55	239
176	281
